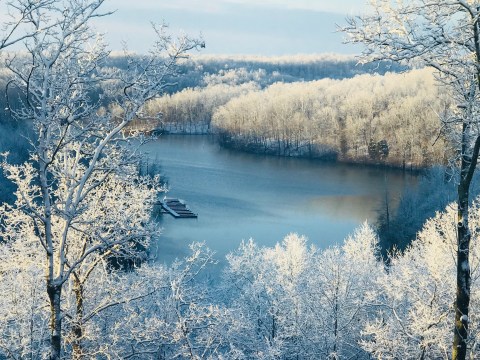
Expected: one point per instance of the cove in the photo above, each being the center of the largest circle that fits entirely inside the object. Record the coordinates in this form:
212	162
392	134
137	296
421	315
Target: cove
240	196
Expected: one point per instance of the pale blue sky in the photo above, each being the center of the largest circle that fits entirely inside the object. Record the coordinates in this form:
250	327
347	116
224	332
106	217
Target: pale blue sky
262	27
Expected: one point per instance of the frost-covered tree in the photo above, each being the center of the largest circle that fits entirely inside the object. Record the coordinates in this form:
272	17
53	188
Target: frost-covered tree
444	35
340	287
172	316
297	301
415	298
78	199
250	296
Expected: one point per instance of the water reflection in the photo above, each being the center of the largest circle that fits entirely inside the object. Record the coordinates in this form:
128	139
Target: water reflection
238	196
357	207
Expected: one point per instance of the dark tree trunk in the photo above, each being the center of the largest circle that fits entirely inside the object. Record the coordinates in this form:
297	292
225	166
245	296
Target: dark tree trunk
54	295
468	165
78	323
463	278
462	299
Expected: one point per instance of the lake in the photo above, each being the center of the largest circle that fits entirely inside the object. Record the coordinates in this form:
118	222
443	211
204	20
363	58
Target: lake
240	196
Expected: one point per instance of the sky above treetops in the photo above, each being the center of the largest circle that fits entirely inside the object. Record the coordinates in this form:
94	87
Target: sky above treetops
249	27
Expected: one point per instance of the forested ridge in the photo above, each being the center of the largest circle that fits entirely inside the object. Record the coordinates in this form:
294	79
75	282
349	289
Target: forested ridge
199	70
391	119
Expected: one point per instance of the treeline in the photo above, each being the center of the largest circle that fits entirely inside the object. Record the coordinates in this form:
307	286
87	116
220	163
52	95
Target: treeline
190	110
391	119
194	70
289	301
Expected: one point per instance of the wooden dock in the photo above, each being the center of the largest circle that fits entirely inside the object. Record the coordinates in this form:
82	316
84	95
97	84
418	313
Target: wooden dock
177	208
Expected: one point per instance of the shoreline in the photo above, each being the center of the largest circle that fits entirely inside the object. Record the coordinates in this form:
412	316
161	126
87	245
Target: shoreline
326	159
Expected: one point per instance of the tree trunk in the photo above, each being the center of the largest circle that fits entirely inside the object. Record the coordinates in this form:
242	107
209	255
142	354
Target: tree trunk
468	165
335	314
462	300
78	323
54	294
463	275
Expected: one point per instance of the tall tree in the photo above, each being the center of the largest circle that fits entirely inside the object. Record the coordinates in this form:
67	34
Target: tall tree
83	158
444	35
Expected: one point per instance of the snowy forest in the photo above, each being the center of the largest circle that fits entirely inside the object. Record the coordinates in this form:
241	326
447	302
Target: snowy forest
77	214
392	119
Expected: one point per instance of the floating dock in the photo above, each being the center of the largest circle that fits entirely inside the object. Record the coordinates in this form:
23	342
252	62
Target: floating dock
177	208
